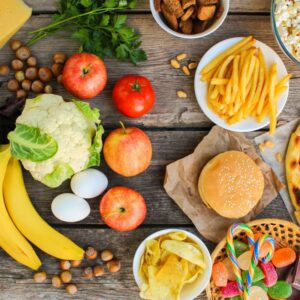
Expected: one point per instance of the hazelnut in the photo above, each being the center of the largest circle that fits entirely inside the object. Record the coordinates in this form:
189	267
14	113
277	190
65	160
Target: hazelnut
98	271
4	70
23	53
71	289
65	265
57	69
88	273
76	263
66	276
21	94
13	85
31	73
20	76
59	58
40	277
37	86
91	253
15	45
106	255
26	84
59	79
56	281
113	266
32	61
17	64
45	74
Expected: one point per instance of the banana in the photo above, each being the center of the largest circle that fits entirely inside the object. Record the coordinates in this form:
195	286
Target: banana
29	222
11	240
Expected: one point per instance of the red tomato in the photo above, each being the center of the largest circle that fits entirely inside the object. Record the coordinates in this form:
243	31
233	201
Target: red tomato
133	95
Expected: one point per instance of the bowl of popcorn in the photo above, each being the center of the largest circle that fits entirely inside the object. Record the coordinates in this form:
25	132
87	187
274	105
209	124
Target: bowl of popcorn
285	19
189	19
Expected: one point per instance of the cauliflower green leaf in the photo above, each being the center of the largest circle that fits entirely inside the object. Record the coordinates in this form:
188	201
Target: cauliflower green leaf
30	143
61	173
92	114
96	148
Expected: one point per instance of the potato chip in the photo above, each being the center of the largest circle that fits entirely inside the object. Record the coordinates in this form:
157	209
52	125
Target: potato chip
152	253
178	236
185	250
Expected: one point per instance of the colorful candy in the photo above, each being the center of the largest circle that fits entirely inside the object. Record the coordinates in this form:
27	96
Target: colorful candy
258	275
281	290
270	273
265	248
261	284
230	290
230	272
240	247
220	274
244	260
283	257
257	293
235	298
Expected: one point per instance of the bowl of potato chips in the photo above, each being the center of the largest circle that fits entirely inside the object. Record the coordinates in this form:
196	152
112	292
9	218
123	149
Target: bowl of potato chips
172	264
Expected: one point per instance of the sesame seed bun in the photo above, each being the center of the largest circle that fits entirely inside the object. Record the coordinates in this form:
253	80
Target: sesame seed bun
231	184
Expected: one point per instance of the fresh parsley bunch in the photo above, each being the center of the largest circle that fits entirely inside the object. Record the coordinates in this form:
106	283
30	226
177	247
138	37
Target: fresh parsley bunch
98	26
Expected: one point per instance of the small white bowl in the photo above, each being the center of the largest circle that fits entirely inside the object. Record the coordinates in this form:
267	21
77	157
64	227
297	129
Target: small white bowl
189	291
218	22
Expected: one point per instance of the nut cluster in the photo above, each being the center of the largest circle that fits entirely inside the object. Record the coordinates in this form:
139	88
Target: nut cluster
186	69
28	76
97	269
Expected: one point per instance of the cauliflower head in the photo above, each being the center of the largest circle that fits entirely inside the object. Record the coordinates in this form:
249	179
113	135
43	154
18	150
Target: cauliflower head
55	139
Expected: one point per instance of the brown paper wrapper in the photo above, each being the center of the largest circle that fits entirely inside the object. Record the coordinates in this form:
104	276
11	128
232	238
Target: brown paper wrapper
181	182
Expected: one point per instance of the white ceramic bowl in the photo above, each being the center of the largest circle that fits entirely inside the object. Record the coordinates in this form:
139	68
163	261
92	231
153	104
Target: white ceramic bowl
200	86
162	23
191	290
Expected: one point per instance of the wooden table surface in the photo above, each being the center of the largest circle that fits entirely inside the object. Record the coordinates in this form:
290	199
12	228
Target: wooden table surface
174	125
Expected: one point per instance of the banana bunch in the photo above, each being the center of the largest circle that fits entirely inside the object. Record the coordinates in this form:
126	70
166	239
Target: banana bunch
20	222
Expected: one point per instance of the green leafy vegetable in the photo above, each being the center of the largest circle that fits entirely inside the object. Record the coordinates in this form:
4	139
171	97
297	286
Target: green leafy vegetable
95	148
92	114
61	173
98	26
30	143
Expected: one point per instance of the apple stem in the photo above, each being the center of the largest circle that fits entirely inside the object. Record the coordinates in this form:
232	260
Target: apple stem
123	126
120	210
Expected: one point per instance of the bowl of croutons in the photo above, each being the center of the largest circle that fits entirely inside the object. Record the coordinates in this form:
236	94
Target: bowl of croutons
189	19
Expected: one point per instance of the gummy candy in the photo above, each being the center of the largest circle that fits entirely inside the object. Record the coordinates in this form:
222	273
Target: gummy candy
281	290
244	260
228	264
261	284
240	247
258	275
219	274
264	249
257	293
283	257
270	273
230	290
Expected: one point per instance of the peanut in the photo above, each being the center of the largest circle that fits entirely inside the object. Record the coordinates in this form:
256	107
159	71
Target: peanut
262	147
269	144
175	64
192	65
181	94
181	56
278	157
186	71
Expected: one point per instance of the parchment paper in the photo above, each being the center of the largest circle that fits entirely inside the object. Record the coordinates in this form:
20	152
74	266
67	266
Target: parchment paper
181	182
281	139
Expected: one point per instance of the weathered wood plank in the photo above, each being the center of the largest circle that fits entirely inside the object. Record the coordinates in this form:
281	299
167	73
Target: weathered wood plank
169	111
16	281
161	209
261	6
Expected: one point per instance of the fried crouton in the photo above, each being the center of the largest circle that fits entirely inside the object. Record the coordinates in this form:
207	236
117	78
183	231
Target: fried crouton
174	6
170	17
186	26
199	26
188	13
207	2
206	12
157	4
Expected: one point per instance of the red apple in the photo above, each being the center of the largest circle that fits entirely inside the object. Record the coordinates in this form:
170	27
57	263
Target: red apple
122	208
128	151
84	75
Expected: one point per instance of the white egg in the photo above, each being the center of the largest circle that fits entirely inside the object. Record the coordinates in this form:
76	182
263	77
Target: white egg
89	183
68	207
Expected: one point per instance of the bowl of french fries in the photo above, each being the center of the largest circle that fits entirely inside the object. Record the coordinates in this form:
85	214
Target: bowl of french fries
189	19
242	85
172	264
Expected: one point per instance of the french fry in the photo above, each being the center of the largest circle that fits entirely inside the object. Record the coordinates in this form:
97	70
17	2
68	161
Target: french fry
219	81
216	61
284	80
271	98
243	78
263	92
